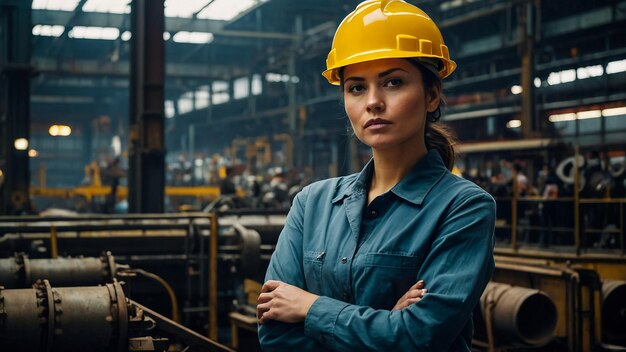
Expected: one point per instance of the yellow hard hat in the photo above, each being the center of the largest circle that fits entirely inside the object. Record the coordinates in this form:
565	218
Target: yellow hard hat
383	29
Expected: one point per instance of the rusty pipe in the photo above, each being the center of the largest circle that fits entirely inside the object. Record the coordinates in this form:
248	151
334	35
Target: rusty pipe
22	272
514	315
614	310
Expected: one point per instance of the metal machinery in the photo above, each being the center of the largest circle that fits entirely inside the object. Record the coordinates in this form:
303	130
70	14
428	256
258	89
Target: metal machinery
213	276
21	271
510	313
98	318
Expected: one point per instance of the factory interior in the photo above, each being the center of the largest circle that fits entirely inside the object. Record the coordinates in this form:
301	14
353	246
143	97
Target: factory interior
150	151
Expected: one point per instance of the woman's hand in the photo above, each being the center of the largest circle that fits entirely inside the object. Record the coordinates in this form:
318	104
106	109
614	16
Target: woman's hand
283	302
414	294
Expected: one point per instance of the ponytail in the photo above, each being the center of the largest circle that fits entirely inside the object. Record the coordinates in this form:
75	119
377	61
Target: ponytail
438	135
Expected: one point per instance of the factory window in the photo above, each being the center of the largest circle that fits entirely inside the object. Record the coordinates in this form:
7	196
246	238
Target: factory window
257	85
202	97
169	109
226	9
185	103
184	9
241	88
107	6
62	5
220	93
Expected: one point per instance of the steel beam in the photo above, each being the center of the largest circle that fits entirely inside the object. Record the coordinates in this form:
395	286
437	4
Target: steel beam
15	28
146	178
527	31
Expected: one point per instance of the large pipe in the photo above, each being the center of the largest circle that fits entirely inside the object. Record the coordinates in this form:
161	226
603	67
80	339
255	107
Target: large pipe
614	310
95	319
519	316
43	318
21	271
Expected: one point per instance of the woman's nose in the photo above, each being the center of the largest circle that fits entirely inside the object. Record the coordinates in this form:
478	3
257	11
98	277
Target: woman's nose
375	101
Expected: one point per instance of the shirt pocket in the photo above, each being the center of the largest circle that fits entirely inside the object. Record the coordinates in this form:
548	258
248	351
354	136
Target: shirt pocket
313	263
389	277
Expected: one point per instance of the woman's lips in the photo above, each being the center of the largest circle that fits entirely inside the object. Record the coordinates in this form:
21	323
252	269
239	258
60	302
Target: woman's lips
375	124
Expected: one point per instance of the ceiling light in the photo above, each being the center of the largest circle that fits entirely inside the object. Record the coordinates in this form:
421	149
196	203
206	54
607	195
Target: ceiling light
103	33
126	36
193	37
516	89
616	66
562	117
21	144
33	153
514	124
60	130
48	31
591	114
614	111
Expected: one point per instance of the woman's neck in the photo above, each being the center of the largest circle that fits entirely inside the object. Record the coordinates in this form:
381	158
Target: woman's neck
391	167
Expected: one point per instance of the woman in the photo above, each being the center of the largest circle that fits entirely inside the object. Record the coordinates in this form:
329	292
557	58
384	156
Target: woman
343	276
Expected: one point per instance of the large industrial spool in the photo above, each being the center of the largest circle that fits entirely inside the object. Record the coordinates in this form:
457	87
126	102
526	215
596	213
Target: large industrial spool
614	310
21	271
519	316
43	318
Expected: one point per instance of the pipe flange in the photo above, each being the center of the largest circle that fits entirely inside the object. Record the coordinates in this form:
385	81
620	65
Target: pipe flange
119	314
109	270
45	299
58	312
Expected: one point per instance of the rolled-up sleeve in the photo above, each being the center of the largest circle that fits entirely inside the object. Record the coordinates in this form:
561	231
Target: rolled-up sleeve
456	271
286	265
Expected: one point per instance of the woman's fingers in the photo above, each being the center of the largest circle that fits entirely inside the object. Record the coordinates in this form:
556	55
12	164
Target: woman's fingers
262	309
270	285
264	297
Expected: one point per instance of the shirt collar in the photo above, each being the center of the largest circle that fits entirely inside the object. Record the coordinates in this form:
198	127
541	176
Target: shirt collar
413	187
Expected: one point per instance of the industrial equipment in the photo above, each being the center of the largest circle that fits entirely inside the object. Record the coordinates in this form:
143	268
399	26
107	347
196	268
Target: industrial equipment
510	314
614	311
100	318
20	271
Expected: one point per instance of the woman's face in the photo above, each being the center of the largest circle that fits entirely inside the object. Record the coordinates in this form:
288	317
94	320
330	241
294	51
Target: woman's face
386	103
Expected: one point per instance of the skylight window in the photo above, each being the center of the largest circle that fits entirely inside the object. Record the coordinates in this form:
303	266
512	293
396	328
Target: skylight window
186	8
58	5
226	9
107	6
193	37
48	31
103	33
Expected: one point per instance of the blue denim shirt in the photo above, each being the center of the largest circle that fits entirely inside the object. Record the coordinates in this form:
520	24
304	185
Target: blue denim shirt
360	259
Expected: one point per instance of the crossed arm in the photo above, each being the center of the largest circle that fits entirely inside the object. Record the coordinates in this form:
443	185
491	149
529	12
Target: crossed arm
290	304
456	269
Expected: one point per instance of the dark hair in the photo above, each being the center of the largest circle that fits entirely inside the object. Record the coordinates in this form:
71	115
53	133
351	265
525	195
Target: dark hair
438	135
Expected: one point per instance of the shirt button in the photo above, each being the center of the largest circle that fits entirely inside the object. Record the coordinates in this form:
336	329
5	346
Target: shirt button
373	214
344	260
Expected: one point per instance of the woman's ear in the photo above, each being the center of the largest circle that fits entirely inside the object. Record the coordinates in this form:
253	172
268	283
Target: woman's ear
433	97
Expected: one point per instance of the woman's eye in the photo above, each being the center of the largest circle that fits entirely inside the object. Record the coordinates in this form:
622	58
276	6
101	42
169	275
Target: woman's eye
394	82
357	88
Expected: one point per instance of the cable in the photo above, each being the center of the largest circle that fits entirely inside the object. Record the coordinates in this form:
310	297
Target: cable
168	288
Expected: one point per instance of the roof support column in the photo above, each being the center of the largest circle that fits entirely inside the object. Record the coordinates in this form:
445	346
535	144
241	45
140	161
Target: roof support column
15	37
527	31
146	179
